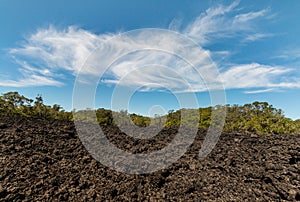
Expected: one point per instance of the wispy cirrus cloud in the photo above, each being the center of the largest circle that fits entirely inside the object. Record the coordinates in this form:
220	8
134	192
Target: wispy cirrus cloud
58	48
256	37
261	91
222	21
31	80
254	75
291	53
51	50
48	51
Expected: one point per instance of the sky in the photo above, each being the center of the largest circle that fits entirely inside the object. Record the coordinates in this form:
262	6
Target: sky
253	45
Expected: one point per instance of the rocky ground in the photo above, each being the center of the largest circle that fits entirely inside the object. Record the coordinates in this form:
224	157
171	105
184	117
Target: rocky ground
44	160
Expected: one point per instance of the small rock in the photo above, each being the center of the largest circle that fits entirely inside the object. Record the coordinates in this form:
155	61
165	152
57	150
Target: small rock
3	192
192	166
292	192
3	126
236	139
270	166
253	135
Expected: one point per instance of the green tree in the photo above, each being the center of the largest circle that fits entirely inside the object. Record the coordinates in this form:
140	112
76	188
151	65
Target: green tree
104	117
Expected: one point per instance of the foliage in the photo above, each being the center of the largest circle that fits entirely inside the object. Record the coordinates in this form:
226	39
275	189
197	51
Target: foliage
140	120
258	117
12	103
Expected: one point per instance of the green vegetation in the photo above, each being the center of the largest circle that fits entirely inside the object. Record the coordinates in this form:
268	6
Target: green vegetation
258	117
12	103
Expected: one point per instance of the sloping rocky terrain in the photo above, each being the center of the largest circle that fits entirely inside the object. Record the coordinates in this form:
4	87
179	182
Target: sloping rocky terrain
44	160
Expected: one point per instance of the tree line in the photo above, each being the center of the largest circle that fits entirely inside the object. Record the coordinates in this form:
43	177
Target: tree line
257	117
12	103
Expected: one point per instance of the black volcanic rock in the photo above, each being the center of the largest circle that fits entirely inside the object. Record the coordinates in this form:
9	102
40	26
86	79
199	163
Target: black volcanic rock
44	160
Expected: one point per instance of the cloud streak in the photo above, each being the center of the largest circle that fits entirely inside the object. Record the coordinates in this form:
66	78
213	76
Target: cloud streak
31	80
256	75
221	22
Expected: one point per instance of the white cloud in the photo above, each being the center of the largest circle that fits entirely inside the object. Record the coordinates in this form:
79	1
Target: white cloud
32	76
256	36
49	51
256	76
223	22
246	17
31	80
54	48
292	53
261	91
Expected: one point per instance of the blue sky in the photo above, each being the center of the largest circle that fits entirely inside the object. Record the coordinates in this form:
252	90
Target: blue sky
254	44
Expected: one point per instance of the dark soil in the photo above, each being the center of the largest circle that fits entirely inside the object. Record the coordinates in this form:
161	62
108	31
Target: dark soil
44	160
